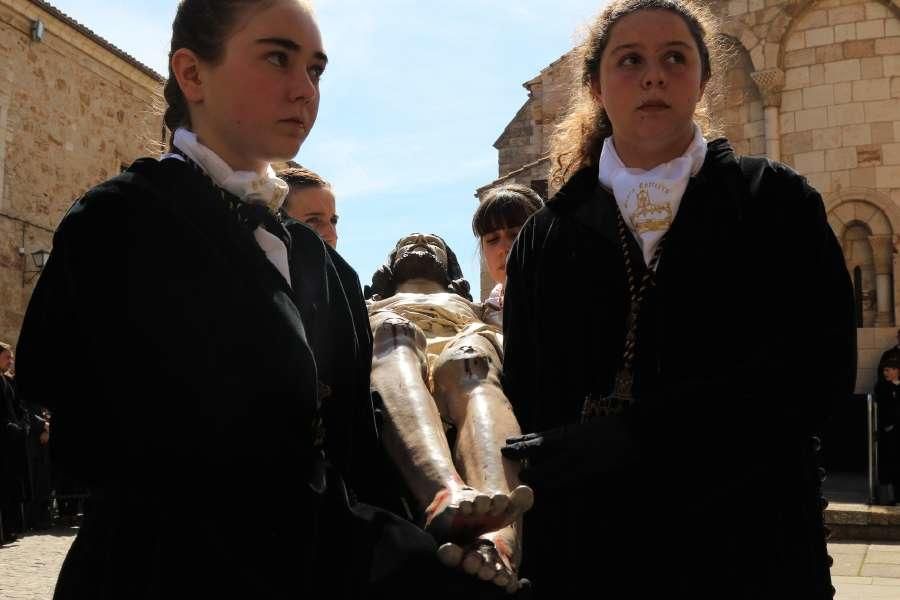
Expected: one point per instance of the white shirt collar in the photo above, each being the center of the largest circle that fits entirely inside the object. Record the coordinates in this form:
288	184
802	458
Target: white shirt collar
246	185
250	187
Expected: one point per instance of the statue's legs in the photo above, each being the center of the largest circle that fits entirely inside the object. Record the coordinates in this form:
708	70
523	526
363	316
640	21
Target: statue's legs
414	434
415	440
468	393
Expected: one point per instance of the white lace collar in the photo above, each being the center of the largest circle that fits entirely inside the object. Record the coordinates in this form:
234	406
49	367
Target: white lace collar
250	187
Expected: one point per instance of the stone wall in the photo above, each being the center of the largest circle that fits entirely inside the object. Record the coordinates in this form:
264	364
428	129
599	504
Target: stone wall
72	113
814	84
738	110
840	113
527	137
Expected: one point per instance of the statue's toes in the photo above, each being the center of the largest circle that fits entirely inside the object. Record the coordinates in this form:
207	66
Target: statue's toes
481	505
513	586
499	505
472	562
503	578
489	570
450	554
521	500
466	507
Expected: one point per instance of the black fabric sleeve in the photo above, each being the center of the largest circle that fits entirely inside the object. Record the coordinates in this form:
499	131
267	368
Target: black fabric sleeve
831	324
70	329
521	377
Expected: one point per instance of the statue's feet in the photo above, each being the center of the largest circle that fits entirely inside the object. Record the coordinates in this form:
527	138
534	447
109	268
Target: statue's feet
490	558
461	515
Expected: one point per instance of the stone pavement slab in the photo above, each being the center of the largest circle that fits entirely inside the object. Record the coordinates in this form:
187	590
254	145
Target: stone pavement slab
29	566
861	571
866	571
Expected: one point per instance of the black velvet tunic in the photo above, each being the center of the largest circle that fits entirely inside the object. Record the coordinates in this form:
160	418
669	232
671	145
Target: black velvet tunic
744	342
216	413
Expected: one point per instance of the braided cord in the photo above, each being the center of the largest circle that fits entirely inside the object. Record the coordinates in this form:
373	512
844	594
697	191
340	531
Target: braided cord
621	397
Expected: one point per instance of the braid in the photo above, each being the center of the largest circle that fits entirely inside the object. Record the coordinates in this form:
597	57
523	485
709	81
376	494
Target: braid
176	114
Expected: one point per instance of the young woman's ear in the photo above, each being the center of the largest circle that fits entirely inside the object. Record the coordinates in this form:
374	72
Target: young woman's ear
186	69
596	94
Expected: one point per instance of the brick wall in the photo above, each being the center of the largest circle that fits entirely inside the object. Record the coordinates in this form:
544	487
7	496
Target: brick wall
840	110
72	113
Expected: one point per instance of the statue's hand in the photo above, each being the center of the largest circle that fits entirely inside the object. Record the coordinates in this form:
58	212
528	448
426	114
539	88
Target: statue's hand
571	454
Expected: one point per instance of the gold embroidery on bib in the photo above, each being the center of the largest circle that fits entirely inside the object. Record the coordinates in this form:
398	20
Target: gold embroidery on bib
650	216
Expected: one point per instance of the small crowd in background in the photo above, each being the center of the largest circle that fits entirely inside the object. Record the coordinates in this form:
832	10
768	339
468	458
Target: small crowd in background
26	479
887	399
32	496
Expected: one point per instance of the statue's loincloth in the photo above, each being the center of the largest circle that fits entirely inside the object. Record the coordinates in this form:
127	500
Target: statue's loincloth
445	320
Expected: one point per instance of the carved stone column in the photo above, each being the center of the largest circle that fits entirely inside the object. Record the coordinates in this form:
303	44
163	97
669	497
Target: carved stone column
883	253
770	82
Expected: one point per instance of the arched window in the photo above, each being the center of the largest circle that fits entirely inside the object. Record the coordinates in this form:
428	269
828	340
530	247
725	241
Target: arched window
867	239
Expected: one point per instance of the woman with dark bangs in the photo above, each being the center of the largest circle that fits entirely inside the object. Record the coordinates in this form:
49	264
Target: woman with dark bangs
496	223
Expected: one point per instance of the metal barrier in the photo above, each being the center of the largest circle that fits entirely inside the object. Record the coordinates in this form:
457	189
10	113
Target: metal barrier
872	441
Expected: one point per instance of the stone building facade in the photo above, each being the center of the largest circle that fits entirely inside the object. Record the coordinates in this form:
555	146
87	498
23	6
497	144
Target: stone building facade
74	110
812	83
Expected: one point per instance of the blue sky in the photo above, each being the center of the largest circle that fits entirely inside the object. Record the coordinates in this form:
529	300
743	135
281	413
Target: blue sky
416	93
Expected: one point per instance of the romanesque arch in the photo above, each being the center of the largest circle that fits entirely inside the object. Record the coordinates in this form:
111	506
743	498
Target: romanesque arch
865	223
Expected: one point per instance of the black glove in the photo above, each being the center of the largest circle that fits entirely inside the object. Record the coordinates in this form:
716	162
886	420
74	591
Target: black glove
572	455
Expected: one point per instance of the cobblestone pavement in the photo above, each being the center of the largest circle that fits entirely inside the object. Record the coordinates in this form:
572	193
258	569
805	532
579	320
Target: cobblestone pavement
861	571
29	566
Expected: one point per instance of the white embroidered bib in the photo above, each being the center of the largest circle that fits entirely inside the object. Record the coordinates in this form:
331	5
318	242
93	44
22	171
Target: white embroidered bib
649	200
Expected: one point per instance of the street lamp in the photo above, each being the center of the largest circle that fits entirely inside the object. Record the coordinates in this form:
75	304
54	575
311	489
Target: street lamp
38	259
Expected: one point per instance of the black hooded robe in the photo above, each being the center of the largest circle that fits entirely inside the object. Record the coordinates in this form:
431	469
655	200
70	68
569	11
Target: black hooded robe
181	371
743	344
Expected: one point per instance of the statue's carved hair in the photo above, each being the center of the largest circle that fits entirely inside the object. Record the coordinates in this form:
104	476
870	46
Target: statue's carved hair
384	285
578	138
